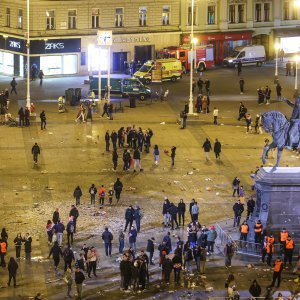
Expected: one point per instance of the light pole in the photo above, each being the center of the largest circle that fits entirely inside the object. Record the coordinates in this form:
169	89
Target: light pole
296	75
108	75
191	105
277	46
28	58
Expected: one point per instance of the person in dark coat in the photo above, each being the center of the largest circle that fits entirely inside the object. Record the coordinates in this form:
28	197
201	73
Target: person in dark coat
43	120
27	116
118	186
77	194
107	139
238	209
206	147
150	249
173	213
138	217
261	96
115	159
21	117
27	243
242	111
4	235
68	256
242	83
173	154
55	217
79	278
255	289
18	244
165	212
75	214
177	266
35	152
167	267
107	237
12	271
126	271
278	91
217	149
181	211
250	207
129	217
56	253
13	85
105	110
114	139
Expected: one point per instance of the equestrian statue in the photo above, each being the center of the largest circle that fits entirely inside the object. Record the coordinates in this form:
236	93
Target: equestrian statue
285	134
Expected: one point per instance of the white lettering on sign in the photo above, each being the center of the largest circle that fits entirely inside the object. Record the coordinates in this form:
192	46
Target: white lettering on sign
131	39
14	44
54	46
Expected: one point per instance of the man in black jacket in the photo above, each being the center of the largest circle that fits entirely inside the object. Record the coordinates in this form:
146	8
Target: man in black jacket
238	209
55	252
79	278
55	217
118	186
77	194
137	159
129	217
173	214
190	209
206	147
181	211
250	207
75	214
150	249
35	151
114	139
107	237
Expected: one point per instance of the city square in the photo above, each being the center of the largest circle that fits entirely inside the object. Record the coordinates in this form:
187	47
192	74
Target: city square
76	149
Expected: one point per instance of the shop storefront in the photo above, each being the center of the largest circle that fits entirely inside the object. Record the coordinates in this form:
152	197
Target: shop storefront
125	48
56	57
12	52
223	42
288	39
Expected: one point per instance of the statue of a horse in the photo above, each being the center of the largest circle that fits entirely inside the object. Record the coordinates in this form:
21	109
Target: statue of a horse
285	134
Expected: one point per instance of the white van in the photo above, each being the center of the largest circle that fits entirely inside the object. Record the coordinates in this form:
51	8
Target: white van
247	55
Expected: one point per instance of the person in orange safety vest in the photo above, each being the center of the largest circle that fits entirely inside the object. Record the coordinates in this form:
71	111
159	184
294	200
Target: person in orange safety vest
278	267
288	250
258	228
244	229
282	237
3	250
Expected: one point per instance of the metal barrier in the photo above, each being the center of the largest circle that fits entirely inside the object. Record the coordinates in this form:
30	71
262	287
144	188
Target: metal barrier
224	238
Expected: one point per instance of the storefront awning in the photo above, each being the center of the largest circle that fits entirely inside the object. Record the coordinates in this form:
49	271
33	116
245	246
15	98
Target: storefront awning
287	32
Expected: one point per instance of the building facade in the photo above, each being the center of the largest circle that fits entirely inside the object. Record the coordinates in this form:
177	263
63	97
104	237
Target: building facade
63	34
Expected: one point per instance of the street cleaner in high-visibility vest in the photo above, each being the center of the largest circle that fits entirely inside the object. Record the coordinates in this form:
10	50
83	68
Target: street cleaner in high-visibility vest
288	250
282	237
278	267
258	228
3	250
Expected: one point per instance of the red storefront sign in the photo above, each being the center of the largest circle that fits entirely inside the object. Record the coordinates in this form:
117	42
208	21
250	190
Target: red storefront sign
219	36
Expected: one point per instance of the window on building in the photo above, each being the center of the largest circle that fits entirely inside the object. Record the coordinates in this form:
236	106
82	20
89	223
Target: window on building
143	16
286	10
119	19
295	12
50	19
266	12
232	13
190	15
7	17
241	13
20	18
166	15
211	14
72	16
95	17
258	12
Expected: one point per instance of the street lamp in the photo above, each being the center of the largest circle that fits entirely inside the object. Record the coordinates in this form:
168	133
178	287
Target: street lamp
277	46
28	58
191	106
296	75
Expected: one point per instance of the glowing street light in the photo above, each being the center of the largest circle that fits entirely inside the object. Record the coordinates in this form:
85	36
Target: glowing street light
277	46
28	58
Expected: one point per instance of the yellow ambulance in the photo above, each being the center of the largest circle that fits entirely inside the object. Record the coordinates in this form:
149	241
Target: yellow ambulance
160	70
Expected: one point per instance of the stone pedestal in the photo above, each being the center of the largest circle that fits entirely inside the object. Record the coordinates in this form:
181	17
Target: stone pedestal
277	200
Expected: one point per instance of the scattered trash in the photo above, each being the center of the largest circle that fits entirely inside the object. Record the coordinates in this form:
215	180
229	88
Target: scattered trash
209	289
50	132
208	179
44	172
208	188
217	193
190	173
162	123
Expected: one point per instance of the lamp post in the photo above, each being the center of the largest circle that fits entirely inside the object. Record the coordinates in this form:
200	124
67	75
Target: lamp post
191	105
28	58
277	46
296	75
108	75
